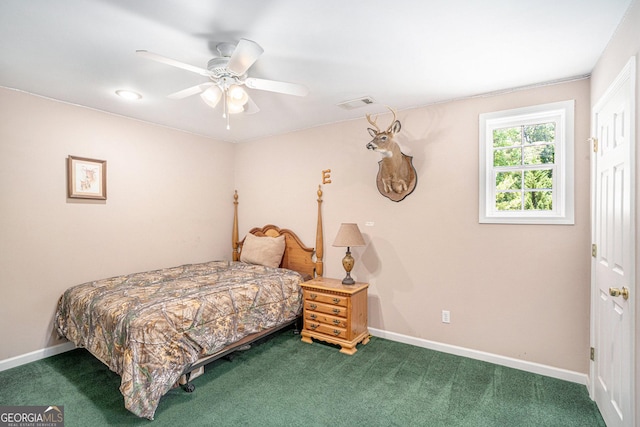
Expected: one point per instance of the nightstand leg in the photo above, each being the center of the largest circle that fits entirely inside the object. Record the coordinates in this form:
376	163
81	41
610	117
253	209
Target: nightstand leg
348	350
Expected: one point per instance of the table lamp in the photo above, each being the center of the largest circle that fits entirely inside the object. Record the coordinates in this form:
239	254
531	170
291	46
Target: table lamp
348	235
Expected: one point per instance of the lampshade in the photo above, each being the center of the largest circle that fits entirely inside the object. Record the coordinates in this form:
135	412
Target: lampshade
211	96
349	236
234	108
237	95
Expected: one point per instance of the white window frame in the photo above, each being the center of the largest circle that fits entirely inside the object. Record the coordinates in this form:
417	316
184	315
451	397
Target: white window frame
562	113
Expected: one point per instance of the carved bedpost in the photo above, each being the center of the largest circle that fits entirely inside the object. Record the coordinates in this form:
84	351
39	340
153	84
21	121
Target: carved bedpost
234	234
319	240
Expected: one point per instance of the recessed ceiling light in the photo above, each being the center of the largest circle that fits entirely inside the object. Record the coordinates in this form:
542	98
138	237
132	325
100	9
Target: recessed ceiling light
128	94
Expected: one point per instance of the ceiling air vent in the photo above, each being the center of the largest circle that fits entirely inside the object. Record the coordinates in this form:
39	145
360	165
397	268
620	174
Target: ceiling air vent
356	103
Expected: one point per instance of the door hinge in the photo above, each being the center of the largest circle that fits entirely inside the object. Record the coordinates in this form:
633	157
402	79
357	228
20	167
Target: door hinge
594	141
594	250
592	354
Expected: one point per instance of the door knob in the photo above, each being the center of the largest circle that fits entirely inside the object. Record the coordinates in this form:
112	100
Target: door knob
615	292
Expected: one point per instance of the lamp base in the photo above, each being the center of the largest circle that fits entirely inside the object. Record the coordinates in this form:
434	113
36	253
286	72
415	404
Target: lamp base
347	263
348	280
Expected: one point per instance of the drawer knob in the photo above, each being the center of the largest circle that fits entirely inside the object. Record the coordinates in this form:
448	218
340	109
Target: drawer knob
313	306
313	296
336	332
313	316
336	322
313	325
336	300
336	311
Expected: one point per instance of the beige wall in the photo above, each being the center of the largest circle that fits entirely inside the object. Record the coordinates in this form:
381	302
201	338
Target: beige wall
624	45
169	202
519	291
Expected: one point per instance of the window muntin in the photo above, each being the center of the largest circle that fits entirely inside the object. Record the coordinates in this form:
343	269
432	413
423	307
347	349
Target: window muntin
526	165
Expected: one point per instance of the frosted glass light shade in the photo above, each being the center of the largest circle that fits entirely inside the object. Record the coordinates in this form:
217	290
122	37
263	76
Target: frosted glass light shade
237	95
234	108
211	96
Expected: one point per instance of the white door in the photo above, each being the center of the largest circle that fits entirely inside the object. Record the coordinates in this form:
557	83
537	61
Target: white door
613	289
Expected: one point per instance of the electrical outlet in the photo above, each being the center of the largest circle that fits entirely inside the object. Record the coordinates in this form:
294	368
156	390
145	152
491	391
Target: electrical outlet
446	316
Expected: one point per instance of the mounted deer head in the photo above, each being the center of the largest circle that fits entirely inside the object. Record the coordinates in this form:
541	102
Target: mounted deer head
382	141
396	176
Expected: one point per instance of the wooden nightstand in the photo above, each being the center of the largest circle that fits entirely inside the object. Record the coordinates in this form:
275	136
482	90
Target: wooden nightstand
335	313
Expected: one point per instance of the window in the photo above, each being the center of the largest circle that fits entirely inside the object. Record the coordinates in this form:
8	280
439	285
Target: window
526	165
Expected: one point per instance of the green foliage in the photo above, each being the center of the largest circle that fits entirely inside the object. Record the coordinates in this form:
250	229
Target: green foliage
516	149
543	132
507	137
509	180
508	201
507	157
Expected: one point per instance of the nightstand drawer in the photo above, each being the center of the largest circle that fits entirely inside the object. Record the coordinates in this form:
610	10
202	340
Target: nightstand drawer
315	316
332	331
334	310
313	295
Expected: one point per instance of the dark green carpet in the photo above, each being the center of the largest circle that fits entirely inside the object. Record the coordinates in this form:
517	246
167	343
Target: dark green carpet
285	382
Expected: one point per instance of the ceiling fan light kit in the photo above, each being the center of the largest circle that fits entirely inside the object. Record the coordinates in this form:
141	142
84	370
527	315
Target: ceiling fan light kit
228	73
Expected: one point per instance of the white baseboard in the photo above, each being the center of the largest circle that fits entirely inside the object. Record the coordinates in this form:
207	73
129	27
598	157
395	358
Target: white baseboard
35	355
523	365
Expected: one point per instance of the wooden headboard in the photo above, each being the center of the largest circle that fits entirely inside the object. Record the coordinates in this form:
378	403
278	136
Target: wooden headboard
297	256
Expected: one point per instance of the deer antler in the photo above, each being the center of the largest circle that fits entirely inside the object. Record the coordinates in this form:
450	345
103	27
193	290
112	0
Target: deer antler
373	122
392	120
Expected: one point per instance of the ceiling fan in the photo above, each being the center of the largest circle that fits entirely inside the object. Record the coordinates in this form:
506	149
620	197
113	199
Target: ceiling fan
227	74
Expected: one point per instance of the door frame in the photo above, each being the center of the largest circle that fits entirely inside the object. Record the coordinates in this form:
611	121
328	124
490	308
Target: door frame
628	71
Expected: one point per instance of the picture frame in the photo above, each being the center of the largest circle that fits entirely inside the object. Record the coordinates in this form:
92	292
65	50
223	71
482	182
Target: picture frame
86	178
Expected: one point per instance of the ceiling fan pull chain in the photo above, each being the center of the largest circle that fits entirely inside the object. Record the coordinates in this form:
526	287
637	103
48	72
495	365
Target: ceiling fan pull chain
224	103
226	107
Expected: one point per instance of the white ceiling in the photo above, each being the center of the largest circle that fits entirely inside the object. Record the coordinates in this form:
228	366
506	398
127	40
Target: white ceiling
403	53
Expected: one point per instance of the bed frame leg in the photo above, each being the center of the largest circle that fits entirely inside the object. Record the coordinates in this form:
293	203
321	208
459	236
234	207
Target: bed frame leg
297	326
188	386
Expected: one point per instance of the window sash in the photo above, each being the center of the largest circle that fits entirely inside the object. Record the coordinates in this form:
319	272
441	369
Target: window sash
561	212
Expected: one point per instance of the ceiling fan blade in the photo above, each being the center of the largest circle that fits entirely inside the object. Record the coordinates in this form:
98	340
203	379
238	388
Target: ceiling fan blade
172	62
243	57
193	90
274	86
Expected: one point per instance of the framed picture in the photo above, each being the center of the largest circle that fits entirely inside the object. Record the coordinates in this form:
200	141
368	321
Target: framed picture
87	178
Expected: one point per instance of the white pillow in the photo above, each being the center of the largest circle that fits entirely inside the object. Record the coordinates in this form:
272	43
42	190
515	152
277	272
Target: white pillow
265	250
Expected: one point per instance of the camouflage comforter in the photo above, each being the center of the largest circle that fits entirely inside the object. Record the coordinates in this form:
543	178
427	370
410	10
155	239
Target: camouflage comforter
149	326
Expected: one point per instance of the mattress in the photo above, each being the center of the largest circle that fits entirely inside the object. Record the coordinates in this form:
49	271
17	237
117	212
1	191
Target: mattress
149	326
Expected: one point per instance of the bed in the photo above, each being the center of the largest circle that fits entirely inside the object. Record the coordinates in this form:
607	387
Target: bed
155	328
